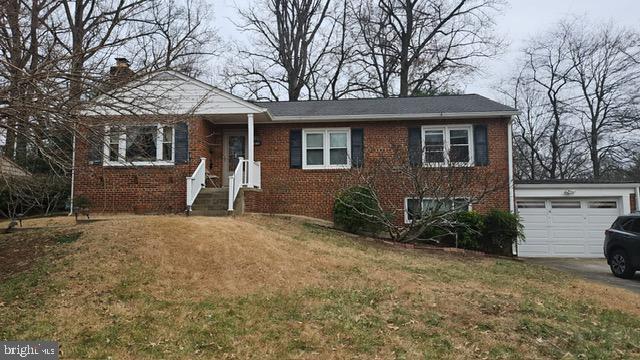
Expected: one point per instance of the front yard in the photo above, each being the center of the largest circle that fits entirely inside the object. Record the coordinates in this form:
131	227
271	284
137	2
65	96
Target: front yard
257	286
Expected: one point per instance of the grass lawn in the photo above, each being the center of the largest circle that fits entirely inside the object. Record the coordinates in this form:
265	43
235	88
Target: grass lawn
156	287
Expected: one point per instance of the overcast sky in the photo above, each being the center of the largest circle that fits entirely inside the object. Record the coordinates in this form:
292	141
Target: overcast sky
520	20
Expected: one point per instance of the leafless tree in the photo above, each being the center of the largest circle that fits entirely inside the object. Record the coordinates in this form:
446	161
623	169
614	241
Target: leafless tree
376	55
438	191
607	79
575	91
178	35
291	40
428	41
54	62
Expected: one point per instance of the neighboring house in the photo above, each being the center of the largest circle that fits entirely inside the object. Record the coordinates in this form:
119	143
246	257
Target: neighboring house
9	168
177	128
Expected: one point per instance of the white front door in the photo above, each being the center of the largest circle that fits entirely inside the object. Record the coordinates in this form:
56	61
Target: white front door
565	228
235	147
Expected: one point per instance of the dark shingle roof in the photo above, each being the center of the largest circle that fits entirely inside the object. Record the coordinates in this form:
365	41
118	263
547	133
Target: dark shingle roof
442	104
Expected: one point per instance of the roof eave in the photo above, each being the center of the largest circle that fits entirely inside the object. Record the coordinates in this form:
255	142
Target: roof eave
378	117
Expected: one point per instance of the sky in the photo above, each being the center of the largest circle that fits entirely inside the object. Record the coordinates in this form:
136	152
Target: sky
519	21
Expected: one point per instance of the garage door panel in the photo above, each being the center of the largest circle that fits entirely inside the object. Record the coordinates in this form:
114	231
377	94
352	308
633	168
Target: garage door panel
571	219
567	237
541	235
568	250
535	250
567	232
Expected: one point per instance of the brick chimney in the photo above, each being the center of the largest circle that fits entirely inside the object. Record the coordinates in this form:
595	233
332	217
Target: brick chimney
121	72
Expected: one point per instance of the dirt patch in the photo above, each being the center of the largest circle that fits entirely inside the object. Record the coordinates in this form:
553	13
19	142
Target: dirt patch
23	247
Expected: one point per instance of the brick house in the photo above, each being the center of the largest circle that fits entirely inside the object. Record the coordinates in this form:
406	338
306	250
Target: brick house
183	145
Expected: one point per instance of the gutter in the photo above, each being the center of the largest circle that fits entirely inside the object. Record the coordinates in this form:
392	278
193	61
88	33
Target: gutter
366	117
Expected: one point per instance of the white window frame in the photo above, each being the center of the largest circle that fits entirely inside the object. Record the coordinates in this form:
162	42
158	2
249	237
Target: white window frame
325	148
406	205
446	129
122	147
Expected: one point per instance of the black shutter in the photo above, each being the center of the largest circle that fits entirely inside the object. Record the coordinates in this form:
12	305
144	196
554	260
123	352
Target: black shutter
295	149
357	147
96	145
481	145
415	146
182	143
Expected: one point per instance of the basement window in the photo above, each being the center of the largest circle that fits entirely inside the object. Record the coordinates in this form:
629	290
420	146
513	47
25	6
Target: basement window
414	208
139	145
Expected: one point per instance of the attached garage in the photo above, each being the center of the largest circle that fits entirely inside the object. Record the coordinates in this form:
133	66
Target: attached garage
569	219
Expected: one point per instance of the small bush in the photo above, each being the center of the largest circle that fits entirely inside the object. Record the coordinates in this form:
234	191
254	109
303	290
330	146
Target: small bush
501	230
469	228
356	211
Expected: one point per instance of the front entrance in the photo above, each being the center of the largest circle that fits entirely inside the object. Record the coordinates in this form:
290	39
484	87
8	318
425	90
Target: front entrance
235	147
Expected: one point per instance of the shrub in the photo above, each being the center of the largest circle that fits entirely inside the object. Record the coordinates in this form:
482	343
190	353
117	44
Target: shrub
356	210
501	230
469	228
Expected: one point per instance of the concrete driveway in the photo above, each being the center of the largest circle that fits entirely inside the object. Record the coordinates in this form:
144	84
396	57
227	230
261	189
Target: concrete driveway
591	269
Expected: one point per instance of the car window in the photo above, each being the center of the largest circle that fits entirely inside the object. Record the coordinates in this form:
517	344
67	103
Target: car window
631	225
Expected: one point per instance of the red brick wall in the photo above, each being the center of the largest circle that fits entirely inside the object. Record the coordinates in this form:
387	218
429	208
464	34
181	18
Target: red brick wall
151	189
162	189
312	192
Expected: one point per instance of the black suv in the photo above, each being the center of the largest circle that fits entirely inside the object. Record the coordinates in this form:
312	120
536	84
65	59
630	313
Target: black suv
622	246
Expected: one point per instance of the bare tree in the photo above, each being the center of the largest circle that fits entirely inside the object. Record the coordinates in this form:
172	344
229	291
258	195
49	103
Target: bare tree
376	56
435	192
292	38
428	40
575	90
179	36
607	78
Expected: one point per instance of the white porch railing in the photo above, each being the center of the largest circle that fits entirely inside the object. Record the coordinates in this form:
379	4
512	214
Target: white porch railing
246	175
196	182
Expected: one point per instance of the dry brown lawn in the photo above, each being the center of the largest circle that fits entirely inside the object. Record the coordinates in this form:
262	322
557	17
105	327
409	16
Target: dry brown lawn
265	287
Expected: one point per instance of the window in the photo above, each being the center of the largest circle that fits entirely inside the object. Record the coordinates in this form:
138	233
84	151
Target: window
414	208
565	204
139	145
530	204
447	145
603	205
326	148
631	225
114	143
167	143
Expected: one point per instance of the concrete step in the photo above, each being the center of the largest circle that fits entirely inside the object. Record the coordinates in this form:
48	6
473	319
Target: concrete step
207	212
214	190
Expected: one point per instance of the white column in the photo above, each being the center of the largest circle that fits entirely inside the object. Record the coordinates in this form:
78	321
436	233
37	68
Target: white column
637	199
250	146
626	204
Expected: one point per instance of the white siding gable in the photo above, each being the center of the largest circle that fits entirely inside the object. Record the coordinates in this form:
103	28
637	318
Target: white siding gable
169	93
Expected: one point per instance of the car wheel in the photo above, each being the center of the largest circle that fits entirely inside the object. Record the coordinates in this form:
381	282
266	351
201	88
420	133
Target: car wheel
619	263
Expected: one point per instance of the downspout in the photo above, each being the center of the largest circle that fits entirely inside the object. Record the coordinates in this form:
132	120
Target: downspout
73	169
514	248
510	155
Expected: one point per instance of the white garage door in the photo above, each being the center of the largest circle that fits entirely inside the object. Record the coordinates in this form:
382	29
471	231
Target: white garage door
565	228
